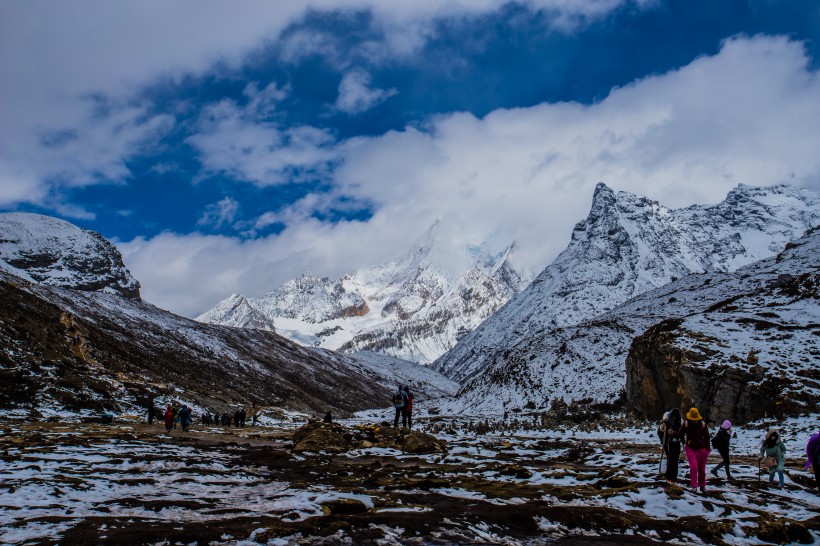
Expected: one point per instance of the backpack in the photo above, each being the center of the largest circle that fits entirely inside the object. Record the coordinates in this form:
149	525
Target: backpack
697	438
398	399
721	439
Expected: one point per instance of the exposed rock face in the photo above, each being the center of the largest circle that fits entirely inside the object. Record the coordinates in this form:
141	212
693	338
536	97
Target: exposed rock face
752	355
626	246
57	253
335	438
769	308
661	375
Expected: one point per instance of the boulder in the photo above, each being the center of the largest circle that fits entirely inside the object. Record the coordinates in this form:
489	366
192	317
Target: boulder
331	437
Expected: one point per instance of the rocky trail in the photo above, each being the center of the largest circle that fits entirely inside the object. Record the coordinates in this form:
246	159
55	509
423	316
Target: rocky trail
130	483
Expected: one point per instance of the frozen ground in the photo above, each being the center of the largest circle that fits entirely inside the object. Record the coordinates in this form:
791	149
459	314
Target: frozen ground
499	483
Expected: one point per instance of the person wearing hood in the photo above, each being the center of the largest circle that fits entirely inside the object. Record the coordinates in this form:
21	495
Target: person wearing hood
694	433
813	457
773	450
721	442
169	418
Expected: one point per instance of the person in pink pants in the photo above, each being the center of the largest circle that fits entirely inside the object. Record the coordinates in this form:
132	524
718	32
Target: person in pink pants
695	435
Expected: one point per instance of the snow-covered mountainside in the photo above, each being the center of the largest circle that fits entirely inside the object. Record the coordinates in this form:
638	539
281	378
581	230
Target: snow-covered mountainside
415	307
628	245
771	307
57	253
86	348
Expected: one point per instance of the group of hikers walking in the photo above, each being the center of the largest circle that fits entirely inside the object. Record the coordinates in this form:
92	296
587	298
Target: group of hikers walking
691	432
176	413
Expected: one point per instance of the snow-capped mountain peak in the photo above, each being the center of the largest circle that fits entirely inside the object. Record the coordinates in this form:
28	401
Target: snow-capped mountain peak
51	251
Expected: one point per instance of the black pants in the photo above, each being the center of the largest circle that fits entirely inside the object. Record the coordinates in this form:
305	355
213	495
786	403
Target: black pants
724	453
399	413
673	458
407	419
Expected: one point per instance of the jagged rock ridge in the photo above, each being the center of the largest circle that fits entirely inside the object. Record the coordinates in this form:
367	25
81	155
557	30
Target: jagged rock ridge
692	340
415	307
626	246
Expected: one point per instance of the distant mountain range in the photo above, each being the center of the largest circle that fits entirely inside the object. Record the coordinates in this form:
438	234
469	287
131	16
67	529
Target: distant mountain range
415	307
76	339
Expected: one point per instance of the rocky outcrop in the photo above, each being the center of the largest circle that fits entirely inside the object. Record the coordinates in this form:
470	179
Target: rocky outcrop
661	374
54	252
336	438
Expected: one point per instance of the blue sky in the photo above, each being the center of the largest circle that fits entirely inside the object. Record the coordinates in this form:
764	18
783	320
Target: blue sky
227	151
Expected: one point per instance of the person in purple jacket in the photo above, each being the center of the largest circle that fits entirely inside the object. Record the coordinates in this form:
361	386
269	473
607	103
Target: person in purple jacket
813	457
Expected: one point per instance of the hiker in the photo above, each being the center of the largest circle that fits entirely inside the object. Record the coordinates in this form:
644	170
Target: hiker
671	443
226	419
242	416
773	452
399	399
184	417
150	409
721	442
328	418
813	458
175	409
694	433
407	415
169	419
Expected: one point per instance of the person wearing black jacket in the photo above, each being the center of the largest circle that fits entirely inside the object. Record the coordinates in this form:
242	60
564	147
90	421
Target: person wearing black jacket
671	444
721	443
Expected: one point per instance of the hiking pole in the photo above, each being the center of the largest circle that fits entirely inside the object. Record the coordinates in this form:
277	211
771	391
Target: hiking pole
663	447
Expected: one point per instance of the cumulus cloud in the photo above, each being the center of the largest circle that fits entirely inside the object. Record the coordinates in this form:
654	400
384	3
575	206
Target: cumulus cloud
231	140
356	95
525	174
113	50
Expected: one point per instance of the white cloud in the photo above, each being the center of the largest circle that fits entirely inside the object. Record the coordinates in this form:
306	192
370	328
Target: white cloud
219	214
356	95
527	174
55	54
231	140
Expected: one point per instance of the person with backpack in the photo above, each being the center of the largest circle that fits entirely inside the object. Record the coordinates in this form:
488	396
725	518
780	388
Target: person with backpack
184	417
721	442
694	433
169	419
813	458
773	453
671	443
407	416
399	400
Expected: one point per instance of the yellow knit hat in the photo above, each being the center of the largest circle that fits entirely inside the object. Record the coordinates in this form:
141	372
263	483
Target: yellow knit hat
694	415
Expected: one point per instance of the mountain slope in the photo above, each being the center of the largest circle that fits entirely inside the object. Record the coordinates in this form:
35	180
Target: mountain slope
721	316
57	253
92	349
415	307
628	245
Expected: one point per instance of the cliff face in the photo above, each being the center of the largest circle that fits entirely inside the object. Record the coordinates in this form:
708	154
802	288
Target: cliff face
661	375
754	354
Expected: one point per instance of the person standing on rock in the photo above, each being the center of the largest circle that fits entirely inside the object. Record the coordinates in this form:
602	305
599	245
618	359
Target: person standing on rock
694	433
671	445
407	415
399	400
169	418
813	458
774	451
721	442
